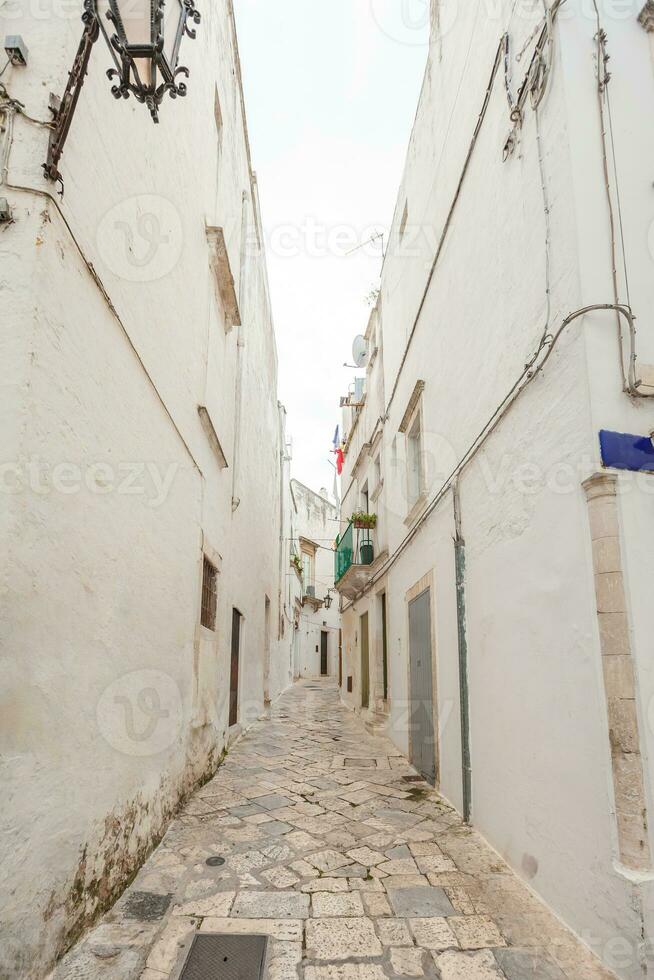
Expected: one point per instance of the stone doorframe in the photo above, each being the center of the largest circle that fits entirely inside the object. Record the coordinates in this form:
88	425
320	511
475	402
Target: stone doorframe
618	671
426	582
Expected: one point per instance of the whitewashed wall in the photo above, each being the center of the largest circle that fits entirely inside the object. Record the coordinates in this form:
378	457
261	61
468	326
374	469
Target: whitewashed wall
542	787
114	700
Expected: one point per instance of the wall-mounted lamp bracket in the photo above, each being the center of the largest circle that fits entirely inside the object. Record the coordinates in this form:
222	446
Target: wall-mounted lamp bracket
64	111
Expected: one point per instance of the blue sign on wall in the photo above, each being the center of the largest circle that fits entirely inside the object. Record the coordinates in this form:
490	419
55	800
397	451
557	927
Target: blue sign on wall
623	451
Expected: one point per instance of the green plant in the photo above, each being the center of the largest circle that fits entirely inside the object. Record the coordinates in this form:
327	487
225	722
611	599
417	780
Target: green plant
372	296
363	520
295	560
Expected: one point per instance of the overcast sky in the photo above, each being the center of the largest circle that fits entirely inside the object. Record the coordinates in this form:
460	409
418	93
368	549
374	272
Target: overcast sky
331	90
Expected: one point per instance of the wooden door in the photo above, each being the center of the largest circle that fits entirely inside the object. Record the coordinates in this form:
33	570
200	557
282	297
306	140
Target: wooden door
233	679
323	653
384	626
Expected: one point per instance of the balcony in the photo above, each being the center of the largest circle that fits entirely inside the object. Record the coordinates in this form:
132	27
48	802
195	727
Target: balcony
356	560
309	598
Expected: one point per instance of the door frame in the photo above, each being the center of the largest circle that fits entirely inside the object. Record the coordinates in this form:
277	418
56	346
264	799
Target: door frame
426	582
381	643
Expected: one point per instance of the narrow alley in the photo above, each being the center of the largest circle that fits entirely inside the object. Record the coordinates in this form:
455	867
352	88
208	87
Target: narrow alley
322	838
326	489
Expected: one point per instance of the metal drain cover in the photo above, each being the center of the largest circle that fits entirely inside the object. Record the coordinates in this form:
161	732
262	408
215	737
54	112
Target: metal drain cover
214	956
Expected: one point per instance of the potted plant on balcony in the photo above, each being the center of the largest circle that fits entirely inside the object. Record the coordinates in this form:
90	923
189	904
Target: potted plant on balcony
364	521
366	553
295	561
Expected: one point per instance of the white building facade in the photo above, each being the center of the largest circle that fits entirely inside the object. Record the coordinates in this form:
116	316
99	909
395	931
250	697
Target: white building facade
499	628
143	471
316	605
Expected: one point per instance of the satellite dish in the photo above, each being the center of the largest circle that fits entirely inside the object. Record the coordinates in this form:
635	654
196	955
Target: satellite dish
360	354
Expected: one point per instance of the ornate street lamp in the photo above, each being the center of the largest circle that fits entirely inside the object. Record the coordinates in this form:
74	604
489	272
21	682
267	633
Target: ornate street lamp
329	598
144	39
145	47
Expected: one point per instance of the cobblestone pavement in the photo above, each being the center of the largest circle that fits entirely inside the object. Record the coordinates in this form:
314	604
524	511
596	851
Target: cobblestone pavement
334	849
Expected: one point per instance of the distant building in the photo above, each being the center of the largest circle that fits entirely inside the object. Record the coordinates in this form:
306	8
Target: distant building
496	620
317	613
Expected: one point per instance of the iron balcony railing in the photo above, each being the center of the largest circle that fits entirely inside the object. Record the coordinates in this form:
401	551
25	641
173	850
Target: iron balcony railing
353	547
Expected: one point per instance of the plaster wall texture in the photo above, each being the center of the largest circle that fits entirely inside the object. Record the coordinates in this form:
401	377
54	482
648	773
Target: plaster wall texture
316	521
114	698
542	790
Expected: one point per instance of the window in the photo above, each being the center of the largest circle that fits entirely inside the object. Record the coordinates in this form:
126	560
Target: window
209	595
308	568
218	116
405	218
377	470
414	461
365	500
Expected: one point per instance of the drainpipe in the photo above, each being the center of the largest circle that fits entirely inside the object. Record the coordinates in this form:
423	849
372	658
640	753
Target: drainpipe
464	694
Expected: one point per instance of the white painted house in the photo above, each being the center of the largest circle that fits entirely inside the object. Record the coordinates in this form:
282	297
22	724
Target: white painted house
317	614
501	629
142	469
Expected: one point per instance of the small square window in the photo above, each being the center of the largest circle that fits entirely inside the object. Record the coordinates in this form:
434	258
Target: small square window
209	595
218	115
414	461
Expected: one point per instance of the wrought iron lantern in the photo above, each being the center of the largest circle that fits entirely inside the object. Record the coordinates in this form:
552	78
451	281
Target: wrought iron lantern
329	598
145	44
144	39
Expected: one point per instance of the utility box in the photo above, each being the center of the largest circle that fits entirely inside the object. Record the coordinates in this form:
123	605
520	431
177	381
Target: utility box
16	50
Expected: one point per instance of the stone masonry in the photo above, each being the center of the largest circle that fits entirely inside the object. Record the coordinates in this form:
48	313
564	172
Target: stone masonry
335	849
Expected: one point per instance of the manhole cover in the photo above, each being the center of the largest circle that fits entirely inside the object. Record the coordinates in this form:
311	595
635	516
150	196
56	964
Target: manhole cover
224	957
215	862
146	906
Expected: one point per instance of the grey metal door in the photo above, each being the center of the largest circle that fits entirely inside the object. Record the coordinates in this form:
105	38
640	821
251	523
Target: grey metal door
365	663
422	740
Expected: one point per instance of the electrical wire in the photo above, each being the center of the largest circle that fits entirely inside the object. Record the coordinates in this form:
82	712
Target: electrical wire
532	369
548	226
536	79
10	114
603	78
448	220
536	84
11	103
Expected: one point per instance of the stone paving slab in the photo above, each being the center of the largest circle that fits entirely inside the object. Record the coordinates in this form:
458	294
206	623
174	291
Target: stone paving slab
335	848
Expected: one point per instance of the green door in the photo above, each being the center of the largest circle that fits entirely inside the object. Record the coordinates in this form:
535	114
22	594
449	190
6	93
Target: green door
365	663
